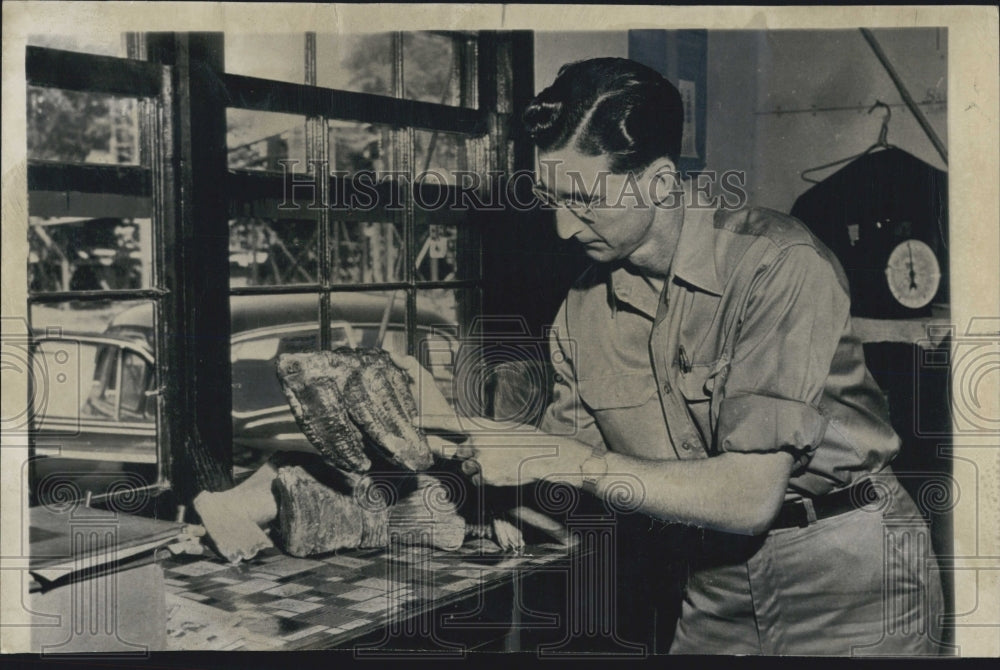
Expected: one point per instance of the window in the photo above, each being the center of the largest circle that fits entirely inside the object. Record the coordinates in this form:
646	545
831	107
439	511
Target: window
389	275
329	208
95	241
82	127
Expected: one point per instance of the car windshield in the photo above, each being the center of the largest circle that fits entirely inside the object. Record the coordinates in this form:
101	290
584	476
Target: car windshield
135	378
255	383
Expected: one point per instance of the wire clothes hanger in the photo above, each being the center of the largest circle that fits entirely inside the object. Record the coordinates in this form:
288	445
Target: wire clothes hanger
881	143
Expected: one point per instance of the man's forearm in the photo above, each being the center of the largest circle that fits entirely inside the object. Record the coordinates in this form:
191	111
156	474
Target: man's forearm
733	492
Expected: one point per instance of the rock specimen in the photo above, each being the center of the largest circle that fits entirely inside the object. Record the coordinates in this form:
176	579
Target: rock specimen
235	535
315	517
320	409
347	398
347	401
380	403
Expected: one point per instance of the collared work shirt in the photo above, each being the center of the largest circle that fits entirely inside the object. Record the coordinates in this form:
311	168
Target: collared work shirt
747	346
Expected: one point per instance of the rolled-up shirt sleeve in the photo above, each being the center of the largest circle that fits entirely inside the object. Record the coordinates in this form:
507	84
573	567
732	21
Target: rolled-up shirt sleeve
795	314
566	414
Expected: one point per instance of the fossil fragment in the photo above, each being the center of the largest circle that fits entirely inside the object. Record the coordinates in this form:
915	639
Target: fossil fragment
320	408
315	518
376	397
399	380
395	411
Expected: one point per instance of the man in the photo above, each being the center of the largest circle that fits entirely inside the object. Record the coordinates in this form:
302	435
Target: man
707	360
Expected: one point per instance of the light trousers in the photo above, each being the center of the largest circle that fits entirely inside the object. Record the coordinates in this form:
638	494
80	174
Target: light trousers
862	583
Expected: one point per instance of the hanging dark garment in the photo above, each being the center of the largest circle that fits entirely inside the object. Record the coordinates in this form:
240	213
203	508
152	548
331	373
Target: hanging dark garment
862	211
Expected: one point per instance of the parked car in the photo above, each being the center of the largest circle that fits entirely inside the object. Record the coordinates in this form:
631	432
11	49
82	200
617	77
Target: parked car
110	416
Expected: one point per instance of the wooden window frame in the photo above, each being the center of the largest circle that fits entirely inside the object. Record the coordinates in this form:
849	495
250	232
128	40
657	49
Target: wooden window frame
148	82
186	73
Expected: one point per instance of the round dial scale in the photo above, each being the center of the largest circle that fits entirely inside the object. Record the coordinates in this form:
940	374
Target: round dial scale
913	273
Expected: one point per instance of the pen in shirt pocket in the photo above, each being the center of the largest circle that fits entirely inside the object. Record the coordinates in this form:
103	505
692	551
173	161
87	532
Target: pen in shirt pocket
682	359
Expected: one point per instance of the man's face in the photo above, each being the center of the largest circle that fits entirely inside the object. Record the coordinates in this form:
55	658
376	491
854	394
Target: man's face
596	208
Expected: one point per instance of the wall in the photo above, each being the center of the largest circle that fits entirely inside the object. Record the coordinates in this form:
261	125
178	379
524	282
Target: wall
770	96
730	140
810	92
553	50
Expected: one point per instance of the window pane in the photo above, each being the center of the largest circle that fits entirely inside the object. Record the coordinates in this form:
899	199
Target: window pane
432	66
91	42
95	379
82	254
263	328
361	63
366	252
82	127
446	252
439	155
437	334
270	252
272	56
359	146
258	140
442	308
446	246
431	69
366	311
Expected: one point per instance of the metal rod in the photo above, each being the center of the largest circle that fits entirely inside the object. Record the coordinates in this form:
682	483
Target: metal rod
119	378
384	324
845	108
152	489
86	296
901	87
292	289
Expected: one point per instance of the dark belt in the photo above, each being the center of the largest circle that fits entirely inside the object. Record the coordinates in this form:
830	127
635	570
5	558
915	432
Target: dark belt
797	513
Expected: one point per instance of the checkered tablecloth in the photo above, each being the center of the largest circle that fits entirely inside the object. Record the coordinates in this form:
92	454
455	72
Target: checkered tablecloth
280	602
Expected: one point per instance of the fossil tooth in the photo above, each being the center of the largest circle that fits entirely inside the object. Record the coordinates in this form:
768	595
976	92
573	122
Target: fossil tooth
383	410
320	409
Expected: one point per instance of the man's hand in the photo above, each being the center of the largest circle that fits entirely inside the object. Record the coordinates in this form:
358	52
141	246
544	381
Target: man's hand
504	457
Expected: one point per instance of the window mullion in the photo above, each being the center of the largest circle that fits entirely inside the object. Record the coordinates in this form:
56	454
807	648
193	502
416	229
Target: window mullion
317	160
198	344
403	166
119	377
157	146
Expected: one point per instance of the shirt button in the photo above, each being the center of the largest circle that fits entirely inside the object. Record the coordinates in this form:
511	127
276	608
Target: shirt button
686	446
665	386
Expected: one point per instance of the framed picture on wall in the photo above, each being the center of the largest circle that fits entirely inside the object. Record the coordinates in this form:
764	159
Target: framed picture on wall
681	57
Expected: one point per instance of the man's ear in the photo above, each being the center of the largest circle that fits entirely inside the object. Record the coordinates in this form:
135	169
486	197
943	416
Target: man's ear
664	180
665	167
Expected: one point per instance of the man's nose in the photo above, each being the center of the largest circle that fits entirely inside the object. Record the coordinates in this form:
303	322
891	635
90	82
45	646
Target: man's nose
567	224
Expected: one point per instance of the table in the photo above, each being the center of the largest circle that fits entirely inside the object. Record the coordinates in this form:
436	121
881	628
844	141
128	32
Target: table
278	602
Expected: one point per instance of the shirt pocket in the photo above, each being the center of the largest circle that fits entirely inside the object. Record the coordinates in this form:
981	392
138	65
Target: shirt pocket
695	385
703	389
616	391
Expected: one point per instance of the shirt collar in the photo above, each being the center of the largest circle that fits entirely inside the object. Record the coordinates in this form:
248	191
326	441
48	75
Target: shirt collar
693	263
628	286
694	259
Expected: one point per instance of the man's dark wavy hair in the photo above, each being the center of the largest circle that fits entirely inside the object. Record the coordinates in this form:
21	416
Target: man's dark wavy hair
629	112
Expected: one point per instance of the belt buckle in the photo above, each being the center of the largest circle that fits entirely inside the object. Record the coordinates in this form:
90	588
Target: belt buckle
805	513
810	509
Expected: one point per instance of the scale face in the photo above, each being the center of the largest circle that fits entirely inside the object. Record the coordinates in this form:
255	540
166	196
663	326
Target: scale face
913	274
